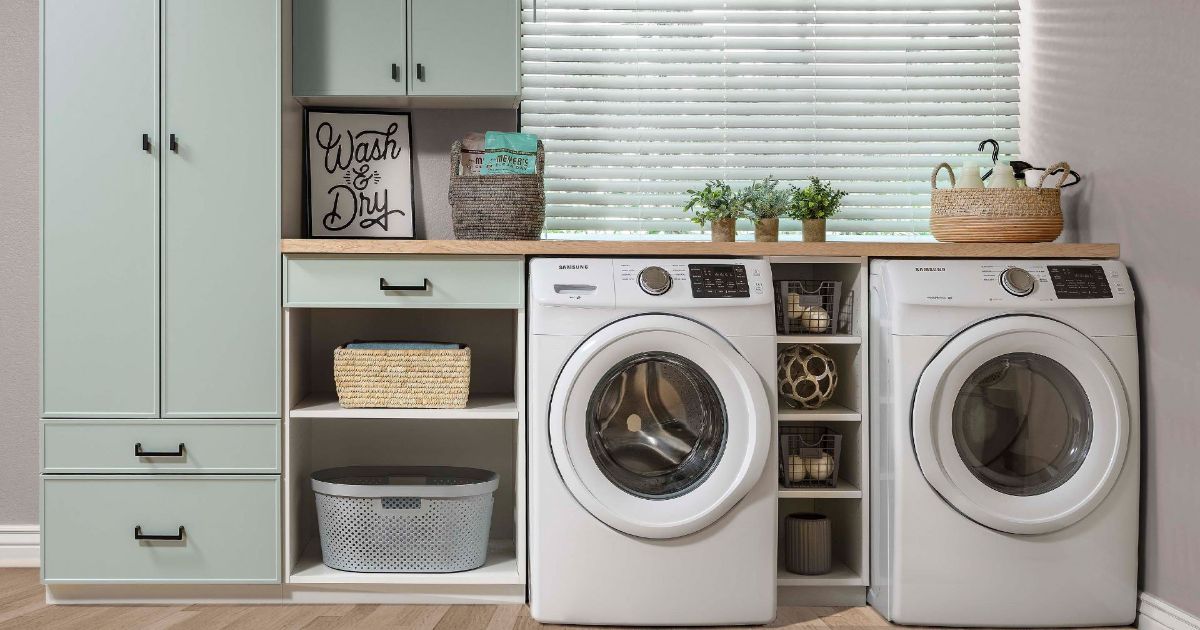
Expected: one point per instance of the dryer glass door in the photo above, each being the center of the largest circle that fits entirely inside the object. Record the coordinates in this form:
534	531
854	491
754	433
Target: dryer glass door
658	426
1021	424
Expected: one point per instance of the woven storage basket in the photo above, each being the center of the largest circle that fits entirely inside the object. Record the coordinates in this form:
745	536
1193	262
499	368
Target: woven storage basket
498	207
402	379
996	215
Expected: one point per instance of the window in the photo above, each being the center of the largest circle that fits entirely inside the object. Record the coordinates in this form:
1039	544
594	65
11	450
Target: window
639	100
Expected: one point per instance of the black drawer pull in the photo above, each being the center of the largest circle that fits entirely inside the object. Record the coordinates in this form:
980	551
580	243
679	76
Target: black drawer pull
138	452
395	72
420	72
174	144
146	143
138	535
384	286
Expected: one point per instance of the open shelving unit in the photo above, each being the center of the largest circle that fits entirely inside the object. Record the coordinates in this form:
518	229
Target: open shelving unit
488	433
847	503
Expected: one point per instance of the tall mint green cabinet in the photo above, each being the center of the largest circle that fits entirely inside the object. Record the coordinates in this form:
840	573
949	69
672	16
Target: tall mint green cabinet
160	291
100	172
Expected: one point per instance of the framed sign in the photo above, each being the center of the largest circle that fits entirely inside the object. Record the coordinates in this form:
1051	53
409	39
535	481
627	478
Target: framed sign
358	174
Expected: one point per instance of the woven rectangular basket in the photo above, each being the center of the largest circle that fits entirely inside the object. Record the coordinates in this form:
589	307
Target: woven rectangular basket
996	215
402	378
497	207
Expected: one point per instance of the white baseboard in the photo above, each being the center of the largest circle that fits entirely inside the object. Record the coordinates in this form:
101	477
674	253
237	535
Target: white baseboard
20	546
1155	614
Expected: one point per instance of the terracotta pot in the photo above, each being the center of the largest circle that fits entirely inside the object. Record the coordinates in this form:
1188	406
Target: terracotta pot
724	230
766	230
814	230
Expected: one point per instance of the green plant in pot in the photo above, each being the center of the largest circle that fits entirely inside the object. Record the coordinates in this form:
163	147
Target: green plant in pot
812	205
764	202
716	204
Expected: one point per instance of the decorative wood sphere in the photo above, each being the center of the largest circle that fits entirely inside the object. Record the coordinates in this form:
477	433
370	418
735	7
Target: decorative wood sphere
807	376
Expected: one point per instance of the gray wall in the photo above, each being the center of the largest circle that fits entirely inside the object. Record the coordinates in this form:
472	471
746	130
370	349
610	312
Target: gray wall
433	131
18	261
1112	86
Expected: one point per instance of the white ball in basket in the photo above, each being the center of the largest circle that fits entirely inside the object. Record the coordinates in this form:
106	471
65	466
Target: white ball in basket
797	469
815	319
794	306
819	467
807	376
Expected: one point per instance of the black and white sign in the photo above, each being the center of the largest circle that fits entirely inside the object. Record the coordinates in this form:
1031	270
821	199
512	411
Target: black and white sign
358	174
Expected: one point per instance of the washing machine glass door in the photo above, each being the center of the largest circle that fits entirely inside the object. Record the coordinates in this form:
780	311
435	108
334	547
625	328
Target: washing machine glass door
1021	423
659	426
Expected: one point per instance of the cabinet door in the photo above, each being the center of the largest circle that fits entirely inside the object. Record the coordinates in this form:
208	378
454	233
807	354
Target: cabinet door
100	208
464	48
221	263
348	47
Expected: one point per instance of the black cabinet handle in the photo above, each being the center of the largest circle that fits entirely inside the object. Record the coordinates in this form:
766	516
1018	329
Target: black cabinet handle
174	144
138	535
384	286
395	72
138	452
146	143
420	72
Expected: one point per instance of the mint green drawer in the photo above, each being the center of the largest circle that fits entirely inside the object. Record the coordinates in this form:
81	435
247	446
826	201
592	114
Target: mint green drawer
447	281
209	446
231	529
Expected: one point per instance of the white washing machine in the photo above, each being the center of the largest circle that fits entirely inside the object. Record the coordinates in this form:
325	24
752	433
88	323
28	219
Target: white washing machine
1005	467
651	453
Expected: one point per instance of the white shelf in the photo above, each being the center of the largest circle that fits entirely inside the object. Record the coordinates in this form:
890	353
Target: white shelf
830	412
500	568
844	490
479	407
840	575
819	339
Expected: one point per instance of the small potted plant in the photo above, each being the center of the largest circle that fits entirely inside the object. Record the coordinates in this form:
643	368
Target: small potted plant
716	204
764	203
812	205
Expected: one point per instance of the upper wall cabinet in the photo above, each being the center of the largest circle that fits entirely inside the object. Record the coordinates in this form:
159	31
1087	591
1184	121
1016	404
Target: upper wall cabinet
348	47
448	49
464	47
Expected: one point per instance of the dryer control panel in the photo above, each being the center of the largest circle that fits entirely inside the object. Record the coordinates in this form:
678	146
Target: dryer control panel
1023	284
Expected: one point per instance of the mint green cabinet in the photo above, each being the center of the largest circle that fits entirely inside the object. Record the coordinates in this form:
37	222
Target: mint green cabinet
348	47
220	236
160	446
92	527
419	48
464	48
100	221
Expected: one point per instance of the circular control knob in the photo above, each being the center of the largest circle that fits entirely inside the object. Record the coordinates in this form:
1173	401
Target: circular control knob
654	280
1017	281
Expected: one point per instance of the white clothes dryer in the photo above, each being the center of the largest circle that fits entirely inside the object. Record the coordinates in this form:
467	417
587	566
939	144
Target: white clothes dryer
1005	463
651	451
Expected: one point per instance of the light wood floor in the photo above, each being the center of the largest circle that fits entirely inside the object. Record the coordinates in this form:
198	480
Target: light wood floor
22	605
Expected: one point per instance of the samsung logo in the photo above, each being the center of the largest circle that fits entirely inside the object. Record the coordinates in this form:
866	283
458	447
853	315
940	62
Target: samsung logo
561	267
930	269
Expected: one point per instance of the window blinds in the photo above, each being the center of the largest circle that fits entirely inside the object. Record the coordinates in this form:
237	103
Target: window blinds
639	100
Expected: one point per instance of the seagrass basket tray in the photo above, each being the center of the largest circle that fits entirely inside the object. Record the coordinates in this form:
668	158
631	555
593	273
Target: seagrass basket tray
400	375
497	207
996	215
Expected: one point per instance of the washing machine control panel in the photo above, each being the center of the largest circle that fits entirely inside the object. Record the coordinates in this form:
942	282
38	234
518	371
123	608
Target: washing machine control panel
1079	282
719	281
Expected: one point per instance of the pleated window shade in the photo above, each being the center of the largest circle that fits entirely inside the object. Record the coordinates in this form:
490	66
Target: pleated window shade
639	100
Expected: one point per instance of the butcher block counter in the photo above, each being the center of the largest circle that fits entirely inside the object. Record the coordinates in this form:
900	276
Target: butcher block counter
701	248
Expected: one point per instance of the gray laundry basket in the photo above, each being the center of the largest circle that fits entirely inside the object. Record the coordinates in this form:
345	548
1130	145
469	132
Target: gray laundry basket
404	519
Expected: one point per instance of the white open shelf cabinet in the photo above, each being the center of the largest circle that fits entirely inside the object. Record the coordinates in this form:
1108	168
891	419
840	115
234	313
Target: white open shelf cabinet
847	505
489	433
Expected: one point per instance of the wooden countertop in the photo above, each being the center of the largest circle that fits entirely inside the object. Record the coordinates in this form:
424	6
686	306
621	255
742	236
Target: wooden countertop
703	248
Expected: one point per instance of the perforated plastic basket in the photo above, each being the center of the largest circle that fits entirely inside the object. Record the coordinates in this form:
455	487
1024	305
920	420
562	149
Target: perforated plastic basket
404	519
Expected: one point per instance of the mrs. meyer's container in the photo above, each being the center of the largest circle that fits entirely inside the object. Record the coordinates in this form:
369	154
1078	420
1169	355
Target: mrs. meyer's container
404	519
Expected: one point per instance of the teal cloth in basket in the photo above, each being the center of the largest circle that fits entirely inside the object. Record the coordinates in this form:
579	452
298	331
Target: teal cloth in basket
402	345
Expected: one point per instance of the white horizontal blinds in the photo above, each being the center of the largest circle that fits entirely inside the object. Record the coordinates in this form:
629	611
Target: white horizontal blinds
639	100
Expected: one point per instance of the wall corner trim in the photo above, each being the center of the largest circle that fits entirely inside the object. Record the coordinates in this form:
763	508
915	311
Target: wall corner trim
20	546
1155	614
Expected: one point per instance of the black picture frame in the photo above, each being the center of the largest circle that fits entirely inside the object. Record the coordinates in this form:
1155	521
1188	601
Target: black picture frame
306	179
